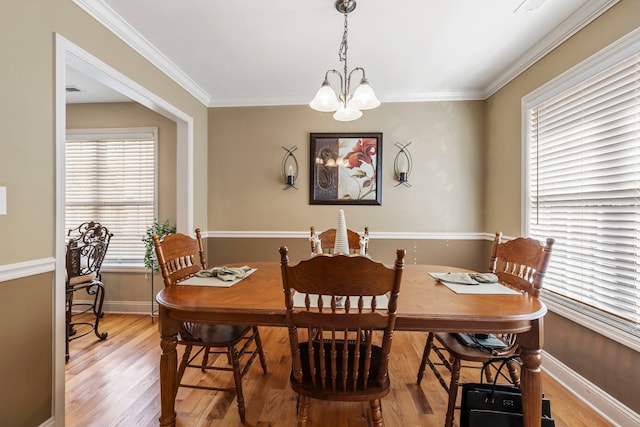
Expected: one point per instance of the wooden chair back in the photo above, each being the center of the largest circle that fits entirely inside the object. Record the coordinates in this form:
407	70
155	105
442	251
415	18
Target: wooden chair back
328	239
340	367
520	263
179	256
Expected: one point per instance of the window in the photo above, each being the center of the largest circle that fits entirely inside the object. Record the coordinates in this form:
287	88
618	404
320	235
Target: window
111	178
583	186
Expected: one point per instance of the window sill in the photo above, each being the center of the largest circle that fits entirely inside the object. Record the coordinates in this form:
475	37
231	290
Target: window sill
623	332
124	268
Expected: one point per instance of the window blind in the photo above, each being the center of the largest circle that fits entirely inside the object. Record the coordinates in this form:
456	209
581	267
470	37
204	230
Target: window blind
110	178
584	189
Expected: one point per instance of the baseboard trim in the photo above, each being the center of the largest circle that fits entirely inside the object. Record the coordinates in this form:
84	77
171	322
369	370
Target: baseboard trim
51	422
614	411
123	307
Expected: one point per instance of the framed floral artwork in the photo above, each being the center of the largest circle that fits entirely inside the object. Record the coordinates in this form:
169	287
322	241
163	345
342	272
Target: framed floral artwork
345	169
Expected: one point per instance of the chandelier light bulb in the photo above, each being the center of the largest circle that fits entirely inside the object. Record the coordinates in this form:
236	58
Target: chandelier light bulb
346	114
364	98
325	100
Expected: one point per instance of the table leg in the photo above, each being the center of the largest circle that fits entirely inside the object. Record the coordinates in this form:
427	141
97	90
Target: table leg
168	378
531	386
531	375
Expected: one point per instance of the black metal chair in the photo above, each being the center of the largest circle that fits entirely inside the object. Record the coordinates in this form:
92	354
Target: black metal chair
86	248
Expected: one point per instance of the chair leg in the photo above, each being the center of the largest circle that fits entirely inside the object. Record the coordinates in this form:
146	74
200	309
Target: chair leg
183	365
97	308
376	413
67	325
303	411
237	377
425	357
453	392
205	360
513	373
98	313
72	330
258	343
488	375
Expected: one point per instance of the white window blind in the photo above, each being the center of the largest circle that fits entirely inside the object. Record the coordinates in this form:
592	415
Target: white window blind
111	179
584	189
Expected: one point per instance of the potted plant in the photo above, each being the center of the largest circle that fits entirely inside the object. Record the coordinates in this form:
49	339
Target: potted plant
161	229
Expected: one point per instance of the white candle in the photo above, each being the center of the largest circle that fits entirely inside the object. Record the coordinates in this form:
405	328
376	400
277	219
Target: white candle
402	165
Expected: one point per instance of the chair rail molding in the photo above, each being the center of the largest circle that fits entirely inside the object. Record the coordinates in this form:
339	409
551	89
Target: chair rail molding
388	235
20	270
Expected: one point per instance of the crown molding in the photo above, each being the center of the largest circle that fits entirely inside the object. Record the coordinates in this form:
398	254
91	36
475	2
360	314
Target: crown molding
577	21
471	95
118	26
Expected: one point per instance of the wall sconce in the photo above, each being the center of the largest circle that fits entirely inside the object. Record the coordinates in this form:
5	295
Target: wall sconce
290	167
402	164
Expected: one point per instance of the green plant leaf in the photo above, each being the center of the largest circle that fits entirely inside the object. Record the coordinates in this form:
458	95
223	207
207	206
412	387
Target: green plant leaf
161	229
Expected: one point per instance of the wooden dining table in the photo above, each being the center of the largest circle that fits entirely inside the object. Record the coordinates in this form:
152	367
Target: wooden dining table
424	305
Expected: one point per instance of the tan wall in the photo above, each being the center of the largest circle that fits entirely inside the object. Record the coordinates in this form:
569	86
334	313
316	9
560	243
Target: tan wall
471	254
246	183
606	363
25	360
27	170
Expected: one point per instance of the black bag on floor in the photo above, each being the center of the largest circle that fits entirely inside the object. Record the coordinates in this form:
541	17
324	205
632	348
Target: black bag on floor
496	405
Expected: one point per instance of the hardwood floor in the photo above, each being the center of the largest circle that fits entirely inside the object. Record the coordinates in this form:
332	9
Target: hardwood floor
115	383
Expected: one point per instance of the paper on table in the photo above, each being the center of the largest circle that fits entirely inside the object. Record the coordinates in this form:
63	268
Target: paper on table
481	289
465	278
214	281
460	278
381	300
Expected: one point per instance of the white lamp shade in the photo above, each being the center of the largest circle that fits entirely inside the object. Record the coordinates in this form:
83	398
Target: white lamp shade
364	98
325	100
346	114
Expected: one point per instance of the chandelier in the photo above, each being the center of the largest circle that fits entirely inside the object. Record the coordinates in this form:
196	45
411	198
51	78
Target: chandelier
346	106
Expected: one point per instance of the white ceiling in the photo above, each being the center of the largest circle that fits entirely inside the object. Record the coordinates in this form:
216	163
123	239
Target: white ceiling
276	52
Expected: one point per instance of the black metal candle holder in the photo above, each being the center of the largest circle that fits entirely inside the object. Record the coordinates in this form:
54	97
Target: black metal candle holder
403	158
290	168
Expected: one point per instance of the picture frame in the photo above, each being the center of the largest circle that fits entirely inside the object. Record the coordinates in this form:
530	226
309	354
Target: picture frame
345	168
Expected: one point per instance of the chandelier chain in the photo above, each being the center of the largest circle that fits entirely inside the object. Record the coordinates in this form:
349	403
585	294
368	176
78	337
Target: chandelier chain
342	52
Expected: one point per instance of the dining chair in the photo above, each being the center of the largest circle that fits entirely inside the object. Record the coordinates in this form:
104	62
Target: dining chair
519	264
86	248
339	294
179	258
328	237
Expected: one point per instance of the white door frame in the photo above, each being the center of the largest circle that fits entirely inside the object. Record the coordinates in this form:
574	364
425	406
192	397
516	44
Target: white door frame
69	54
